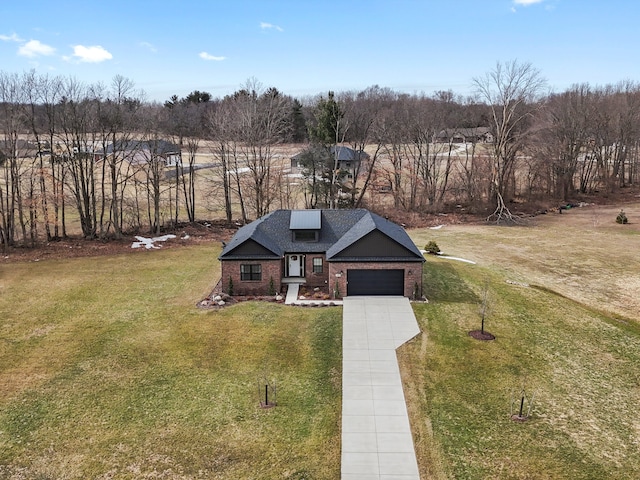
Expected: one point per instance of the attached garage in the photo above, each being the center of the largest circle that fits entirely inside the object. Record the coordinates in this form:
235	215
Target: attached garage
375	282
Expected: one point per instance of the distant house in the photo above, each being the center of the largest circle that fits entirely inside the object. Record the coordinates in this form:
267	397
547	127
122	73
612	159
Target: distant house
353	252
465	135
18	148
348	160
140	152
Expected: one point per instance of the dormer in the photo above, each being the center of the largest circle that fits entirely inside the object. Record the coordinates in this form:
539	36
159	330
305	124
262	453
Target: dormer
305	225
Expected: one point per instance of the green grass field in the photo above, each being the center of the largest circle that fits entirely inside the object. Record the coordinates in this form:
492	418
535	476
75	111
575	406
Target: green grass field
580	360
109	371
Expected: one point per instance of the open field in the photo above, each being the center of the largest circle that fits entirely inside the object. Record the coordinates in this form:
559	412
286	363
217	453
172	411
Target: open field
582	254
107	370
581	363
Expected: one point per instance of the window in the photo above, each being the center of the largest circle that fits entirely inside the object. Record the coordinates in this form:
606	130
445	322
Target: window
305	235
317	265
250	272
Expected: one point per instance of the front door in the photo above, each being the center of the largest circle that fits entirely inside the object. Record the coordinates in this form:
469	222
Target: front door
295	265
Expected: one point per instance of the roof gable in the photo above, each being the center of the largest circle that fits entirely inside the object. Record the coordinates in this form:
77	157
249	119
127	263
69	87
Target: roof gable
250	248
339	230
355	233
254	232
374	244
367	224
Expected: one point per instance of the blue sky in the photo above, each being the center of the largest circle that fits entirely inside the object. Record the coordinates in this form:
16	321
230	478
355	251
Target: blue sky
306	47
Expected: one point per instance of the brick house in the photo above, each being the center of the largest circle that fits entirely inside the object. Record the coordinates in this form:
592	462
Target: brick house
345	252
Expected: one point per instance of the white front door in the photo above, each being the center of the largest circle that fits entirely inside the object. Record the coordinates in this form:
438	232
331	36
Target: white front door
294	266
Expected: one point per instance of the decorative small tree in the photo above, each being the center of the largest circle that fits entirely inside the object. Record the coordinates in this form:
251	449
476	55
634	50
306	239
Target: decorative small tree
432	248
230	287
267	392
272	287
484	308
522	403
336	291
622	218
416	291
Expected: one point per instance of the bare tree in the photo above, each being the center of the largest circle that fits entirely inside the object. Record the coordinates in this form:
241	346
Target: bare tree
117	115
34	86
220	128
263	122
512	92
77	143
363	114
185	124
13	122
420	167
152	162
563	136
618	114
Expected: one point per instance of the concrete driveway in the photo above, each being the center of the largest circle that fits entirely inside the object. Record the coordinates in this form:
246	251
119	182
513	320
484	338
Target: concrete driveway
376	435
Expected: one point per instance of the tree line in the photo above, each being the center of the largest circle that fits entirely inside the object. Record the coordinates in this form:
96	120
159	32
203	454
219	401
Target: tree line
97	155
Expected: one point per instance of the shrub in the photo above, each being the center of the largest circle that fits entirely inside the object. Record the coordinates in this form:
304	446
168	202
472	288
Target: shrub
622	218
272	287
416	291
432	248
230	287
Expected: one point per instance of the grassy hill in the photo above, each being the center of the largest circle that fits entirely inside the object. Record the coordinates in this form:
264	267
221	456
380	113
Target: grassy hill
564	309
109	371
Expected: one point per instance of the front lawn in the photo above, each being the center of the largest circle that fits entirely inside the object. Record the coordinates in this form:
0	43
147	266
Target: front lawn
581	360
108	370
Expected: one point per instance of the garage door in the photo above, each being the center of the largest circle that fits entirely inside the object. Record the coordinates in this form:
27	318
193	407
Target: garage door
375	282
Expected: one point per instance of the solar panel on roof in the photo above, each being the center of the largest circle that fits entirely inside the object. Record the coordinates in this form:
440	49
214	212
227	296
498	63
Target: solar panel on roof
305	220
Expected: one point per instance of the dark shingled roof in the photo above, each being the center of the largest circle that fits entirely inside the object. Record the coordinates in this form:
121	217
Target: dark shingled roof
344	154
159	147
339	230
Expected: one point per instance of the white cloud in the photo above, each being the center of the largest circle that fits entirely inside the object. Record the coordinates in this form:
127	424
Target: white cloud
526	3
93	54
149	46
11	38
206	56
34	48
269	26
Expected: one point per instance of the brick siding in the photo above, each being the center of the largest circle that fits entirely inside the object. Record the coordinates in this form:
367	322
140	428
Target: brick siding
329	278
316	279
412	274
270	269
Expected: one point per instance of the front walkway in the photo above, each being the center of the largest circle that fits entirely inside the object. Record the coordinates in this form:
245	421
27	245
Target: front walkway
376	436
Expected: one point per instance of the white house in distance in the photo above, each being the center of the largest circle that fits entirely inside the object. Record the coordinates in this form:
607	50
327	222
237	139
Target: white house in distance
139	152
464	135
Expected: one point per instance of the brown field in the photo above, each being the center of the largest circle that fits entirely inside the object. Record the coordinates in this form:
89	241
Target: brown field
583	254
